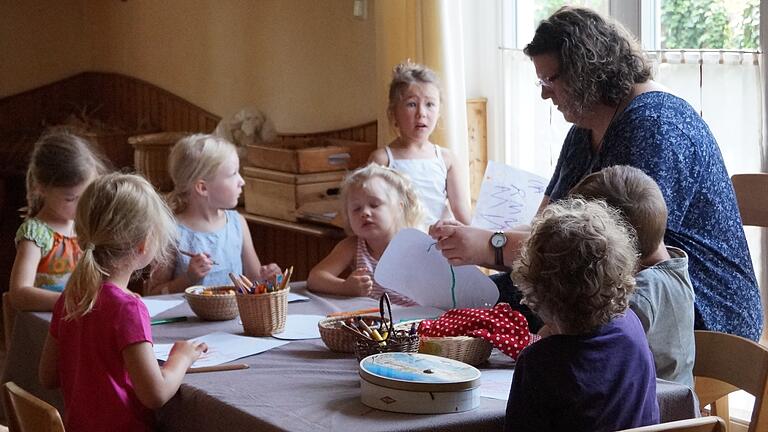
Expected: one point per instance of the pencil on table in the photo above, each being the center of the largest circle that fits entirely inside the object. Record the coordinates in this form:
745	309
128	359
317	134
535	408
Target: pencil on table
218	368
354	312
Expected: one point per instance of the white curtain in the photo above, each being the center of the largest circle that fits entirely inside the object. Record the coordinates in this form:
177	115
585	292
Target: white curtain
533	130
727	89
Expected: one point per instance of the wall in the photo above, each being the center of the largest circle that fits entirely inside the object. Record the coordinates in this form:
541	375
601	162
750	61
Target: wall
41	42
310	65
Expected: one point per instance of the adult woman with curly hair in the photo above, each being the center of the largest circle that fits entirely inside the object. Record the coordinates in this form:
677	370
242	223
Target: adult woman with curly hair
596	75
594	372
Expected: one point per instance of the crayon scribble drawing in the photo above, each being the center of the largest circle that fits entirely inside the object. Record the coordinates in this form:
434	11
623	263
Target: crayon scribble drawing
508	197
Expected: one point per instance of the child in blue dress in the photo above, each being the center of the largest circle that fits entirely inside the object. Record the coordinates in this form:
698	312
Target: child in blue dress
213	239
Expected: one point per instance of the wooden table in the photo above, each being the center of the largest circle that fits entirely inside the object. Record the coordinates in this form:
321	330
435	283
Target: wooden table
300	386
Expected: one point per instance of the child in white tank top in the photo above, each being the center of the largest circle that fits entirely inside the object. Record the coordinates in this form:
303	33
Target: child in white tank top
438	178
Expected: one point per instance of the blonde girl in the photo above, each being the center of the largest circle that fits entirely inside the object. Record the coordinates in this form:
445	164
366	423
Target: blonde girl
61	167
377	202
438	177
213	240
99	349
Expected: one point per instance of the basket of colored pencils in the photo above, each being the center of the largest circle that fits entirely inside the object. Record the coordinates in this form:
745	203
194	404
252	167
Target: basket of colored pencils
384	338
215	303
263	304
339	331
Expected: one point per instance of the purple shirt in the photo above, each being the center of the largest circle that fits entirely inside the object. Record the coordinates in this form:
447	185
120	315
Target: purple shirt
98	393
603	381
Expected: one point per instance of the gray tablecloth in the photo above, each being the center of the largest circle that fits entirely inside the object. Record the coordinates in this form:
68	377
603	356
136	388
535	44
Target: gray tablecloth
296	387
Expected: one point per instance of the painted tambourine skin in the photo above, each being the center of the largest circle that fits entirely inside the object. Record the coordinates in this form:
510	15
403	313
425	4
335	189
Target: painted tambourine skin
418	372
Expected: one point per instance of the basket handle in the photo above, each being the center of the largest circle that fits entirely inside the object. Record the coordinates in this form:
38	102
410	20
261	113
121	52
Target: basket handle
385	297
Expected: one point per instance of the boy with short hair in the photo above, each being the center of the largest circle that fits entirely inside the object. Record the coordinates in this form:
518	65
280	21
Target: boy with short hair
664	296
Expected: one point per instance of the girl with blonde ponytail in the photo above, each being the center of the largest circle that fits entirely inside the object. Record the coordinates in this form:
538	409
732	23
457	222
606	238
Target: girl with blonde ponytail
377	202
99	349
60	168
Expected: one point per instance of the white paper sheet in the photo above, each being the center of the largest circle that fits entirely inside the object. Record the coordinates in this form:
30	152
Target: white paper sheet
300	327
508	197
223	348
156	307
495	383
412	266
293	297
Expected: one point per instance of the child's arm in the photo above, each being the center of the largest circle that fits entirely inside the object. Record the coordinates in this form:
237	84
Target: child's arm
48	369
324	277
155	385
161	280
24	295
457	187
251	263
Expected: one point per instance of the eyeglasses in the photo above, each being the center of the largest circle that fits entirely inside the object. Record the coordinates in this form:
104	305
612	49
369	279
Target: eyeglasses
547	81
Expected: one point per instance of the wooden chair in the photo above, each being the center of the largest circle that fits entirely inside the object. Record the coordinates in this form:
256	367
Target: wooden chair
726	363
752	197
701	424
27	413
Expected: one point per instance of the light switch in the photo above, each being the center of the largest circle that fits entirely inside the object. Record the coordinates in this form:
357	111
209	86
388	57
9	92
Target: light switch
360	9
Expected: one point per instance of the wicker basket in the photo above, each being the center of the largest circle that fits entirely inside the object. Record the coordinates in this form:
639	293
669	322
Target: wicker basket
263	314
336	338
216	307
400	341
467	349
150	156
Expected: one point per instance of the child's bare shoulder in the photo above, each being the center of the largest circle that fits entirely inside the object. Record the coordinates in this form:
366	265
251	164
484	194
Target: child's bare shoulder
379	156
448	156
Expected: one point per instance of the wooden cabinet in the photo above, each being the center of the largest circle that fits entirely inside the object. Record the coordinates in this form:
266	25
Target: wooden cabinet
300	245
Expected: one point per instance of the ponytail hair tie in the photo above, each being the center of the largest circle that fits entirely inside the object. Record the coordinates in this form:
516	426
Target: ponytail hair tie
89	247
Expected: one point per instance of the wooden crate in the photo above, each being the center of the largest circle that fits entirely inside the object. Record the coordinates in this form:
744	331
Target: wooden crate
310	155
279	194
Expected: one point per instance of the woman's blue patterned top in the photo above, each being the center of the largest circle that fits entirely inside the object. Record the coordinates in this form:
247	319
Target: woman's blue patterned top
663	135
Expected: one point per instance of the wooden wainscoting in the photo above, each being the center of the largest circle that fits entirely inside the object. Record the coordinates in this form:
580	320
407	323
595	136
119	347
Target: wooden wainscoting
477	128
292	244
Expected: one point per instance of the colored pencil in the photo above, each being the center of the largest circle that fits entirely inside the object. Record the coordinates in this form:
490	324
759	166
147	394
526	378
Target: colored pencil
218	368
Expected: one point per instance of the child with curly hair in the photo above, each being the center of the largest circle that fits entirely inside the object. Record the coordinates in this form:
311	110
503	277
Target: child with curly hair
595	370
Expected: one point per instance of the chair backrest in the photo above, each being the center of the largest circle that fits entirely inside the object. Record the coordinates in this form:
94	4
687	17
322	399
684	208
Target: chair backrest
701	424
27	413
725	363
752	196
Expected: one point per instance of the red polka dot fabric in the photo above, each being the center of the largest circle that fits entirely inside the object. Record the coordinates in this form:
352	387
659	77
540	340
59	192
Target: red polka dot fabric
505	328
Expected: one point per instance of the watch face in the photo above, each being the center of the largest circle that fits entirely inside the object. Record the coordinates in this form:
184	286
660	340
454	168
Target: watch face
498	240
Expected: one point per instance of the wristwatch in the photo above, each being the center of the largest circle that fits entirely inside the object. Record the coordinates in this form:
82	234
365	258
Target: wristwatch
498	240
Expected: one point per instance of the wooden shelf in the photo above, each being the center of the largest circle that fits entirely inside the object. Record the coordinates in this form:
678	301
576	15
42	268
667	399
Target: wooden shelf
298	227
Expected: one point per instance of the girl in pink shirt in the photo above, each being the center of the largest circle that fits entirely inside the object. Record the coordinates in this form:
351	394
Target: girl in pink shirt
99	349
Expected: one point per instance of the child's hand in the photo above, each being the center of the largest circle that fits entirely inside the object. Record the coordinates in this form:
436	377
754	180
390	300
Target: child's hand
188	349
269	271
359	283
199	266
